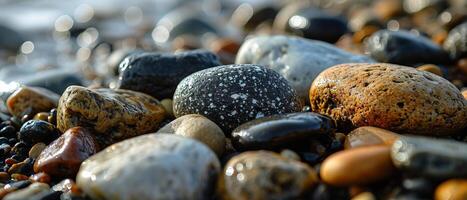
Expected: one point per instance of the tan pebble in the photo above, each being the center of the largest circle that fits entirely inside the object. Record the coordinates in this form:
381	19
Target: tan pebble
454	189
36	150
31	100
464	93
365	196
431	68
368	135
42	116
167	104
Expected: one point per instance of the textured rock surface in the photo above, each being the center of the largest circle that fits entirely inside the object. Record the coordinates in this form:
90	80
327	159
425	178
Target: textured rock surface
265	175
456	42
298	60
34	131
31	100
162	166
158	74
111	115
230	95
393	97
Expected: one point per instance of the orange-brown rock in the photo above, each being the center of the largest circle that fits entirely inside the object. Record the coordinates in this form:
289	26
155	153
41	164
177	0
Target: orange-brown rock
454	189
398	98
357	166
31	100
369	135
431	68
63	156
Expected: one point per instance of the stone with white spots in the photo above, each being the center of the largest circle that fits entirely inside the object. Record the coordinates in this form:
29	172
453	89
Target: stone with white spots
298	60
153	166
230	95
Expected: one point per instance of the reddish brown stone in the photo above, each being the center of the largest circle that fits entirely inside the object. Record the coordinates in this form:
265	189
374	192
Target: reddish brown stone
40	177
64	156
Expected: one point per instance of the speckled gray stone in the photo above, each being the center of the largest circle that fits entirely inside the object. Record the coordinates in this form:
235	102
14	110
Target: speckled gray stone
298	60
230	95
436	158
456	42
153	166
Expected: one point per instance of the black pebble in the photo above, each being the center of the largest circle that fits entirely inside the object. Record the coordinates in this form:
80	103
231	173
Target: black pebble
35	131
8	132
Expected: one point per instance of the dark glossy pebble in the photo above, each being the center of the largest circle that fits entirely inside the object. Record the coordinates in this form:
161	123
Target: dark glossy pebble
281	130
318	25
326	192
8	132
456	42
231	95
403	47
12	141
4	149
261	14
35	131
19	184
52	118
4	140
158	74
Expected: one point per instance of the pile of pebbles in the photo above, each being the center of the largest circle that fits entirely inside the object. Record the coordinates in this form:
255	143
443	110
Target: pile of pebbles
307	105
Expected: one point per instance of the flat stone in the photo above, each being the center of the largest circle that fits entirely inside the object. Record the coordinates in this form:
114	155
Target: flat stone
393	97
357	166
298	60
200	128
31	100
369	135
158	74
456	42
111	115
279	130
436	158
259	175
163	166
453	189
230	95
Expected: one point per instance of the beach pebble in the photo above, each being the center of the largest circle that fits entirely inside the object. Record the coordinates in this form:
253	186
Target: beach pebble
31	100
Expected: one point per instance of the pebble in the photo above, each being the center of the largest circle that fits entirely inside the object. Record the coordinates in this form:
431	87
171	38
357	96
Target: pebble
200	128
44	116
182	167
31	100
158	74
62	157
111	115
40	177
8	132
167	104
436	158
265	175
456	42
357	166
281	130
369	135
36	150
453	189
298	60
364	196
230	95
397	98
431	68
34	131
27	193
403	47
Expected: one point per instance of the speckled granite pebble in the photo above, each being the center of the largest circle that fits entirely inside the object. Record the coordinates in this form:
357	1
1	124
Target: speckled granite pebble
31	100
230	95
153	166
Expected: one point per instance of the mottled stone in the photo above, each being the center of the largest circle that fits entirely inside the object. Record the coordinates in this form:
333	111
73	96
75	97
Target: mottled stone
31	100
298	60
369	135
402	47
62	157
280	130
111	115
437	158
456	42
230	95
357	166
28	193
453	189
34	131
158	74
200	128
398	98
265	175
162	166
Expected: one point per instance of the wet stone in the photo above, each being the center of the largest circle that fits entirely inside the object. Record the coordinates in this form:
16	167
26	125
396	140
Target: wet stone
436	158
230	95
184	169
392	97
36	150
453	189
28	192
200	128
369	135
34	131
111	115
281	130
456	42
298	60
402	47
31	100
158	74
265	175
63	156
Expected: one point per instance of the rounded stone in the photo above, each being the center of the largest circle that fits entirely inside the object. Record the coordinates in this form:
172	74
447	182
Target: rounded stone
230	95
111	115
36	150
369	135
31	100
280	130
298	60
265	175
167	104
158	74
200	128
29	192
34	131
398	98
402	47
357	166
453	189
456	42
163	166
431	68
